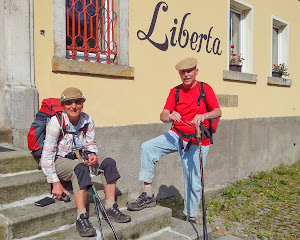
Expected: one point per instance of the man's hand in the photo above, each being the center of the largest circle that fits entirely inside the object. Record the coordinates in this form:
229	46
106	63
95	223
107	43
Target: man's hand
166	116
93	159
199	118
58	190
174	117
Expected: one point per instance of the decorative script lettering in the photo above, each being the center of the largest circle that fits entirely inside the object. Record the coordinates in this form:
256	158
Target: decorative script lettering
181	37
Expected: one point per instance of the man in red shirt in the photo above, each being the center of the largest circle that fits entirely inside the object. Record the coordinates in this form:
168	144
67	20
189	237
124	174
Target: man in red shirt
186	112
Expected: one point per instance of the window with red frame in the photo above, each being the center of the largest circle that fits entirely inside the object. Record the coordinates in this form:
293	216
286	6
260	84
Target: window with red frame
90	31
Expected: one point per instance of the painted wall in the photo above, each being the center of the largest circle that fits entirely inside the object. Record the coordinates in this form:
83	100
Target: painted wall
117	101
258	134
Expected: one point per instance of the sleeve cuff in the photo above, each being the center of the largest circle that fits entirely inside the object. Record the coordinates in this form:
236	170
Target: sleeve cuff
52	178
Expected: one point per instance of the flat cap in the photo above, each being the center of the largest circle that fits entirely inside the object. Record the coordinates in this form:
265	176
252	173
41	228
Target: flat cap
71	93
186	63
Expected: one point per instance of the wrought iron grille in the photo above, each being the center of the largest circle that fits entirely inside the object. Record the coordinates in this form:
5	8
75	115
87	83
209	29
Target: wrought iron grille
90	31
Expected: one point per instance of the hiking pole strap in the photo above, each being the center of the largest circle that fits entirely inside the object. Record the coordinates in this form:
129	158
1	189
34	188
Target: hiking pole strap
205	131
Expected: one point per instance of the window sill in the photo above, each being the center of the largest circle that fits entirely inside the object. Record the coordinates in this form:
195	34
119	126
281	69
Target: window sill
279	81
239	76
61	64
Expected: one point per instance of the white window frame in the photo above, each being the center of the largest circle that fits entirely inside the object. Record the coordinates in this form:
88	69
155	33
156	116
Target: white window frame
283	41
247	31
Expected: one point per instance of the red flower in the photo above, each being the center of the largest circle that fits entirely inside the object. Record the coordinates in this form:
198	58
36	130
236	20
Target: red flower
274	65
232	60
232	46
234	54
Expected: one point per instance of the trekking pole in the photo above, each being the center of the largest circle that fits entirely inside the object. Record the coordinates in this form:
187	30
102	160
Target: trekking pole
98	213
199	136
99	203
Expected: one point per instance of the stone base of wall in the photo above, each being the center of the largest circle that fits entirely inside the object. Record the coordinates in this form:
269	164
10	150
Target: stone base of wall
23	105
240	148
5	136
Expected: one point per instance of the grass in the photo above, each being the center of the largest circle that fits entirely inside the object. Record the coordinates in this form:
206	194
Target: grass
265	206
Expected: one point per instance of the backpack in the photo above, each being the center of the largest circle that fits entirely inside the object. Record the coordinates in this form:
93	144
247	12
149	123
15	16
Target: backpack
213	123
37	131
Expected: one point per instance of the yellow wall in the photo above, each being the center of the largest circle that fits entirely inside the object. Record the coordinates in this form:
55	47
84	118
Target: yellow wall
115	101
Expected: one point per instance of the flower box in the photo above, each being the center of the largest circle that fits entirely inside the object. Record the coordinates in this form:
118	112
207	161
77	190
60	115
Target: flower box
280	70
236	68
277	74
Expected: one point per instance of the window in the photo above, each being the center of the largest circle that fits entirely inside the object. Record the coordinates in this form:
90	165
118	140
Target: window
279	41
240	34
87	33
275	45
235	30
90	31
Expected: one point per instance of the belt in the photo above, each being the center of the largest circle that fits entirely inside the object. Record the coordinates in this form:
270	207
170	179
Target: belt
190	136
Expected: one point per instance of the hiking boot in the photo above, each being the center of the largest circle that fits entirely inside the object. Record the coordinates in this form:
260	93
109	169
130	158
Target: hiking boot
115	214
84	227
143	201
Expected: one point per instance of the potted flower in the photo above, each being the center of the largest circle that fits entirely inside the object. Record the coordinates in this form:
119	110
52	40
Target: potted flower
279	70
236	61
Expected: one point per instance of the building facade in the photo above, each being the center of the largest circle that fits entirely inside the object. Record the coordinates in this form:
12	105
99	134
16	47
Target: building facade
122	55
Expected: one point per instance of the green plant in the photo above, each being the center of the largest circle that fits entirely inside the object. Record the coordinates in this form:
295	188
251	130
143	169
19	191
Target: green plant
281	68
235	59
259	204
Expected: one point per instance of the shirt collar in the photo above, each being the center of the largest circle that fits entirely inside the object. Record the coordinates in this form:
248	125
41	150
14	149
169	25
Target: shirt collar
83	119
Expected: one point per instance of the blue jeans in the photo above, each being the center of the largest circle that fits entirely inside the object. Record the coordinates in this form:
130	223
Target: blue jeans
154	149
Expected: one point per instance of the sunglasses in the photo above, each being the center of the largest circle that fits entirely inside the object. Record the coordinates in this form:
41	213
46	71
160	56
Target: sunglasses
76	101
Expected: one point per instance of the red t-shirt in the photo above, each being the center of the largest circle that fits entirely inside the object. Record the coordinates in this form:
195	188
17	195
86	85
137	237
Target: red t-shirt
187	107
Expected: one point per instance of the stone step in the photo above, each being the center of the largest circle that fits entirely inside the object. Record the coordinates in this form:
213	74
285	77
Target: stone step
17	187
177	230
142	223
14	160
27	220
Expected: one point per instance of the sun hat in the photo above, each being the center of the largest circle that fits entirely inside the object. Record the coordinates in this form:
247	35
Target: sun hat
71	93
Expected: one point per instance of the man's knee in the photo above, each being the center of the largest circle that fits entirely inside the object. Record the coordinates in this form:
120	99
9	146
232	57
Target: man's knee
82	173
146	145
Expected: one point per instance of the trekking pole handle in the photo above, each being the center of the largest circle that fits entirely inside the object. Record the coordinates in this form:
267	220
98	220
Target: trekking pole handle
198	132
79	157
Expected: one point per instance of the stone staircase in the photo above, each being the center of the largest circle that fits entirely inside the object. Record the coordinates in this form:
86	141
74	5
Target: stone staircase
21	184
